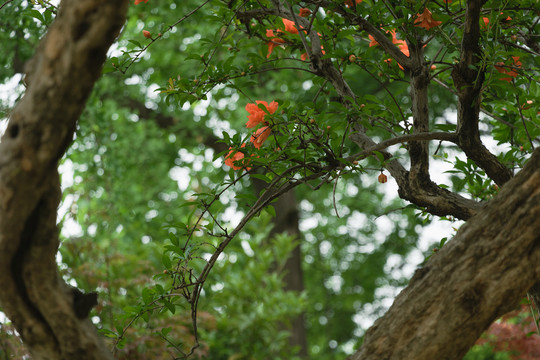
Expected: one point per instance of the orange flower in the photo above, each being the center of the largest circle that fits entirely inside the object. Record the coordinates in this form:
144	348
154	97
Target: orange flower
260	136
289	26
426	21
147	34
137	2
402	45
404	48
399	43
304	12
270	33
486	23
256	114
234	156
348	3
511	71
274	41
373	42
394	39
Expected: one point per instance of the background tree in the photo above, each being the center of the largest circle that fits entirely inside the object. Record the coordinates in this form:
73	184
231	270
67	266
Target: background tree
351	94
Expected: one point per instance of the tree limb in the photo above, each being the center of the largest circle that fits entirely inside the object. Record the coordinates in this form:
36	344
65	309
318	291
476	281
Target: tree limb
468	76
419	150
61	76
436	200
482	273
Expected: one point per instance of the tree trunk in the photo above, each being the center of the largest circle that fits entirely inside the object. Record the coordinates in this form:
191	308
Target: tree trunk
286	221
478	276
50	316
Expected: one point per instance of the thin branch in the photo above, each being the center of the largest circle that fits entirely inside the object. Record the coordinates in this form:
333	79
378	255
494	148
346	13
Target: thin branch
334	195
4	4
444	136
376	78
523	121
141	51
482	109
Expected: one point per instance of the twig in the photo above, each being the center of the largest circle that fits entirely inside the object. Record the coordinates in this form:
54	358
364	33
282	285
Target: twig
334	195
4	4
523	121
444	136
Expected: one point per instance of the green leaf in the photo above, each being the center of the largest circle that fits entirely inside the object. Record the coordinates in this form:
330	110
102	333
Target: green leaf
166	331
108	333
173	238
270	210
261	177
169	305
166	260
36	15
136	43
147	296
379	155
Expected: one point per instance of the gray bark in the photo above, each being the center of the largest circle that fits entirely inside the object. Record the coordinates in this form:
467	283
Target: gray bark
48	314
478	276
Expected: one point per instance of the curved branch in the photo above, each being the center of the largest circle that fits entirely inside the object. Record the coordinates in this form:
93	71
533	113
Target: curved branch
436	200
422	136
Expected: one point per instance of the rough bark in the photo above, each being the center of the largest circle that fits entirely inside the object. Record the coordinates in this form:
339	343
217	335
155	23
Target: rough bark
49	315
478	276
468	76
436	200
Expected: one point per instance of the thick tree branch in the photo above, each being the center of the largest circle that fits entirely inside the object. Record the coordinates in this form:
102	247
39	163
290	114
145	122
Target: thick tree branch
478	276
436	200
468	76
419	150
61	76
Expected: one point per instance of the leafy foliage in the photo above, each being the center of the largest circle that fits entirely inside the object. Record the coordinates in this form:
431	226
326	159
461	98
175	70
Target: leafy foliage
156	209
